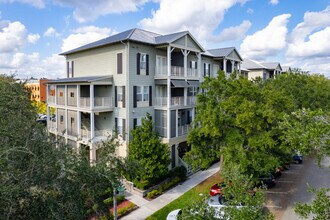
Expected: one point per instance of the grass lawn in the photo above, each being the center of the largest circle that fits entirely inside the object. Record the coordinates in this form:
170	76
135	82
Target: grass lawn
187	198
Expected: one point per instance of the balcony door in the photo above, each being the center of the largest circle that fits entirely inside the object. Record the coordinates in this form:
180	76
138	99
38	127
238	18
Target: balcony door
161	65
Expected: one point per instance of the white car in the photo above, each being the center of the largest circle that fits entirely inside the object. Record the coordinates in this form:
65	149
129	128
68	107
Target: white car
174	214
219	203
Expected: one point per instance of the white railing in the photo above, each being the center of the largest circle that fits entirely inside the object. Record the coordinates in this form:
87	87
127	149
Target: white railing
191	100
162	131
177	71
73	132
177	101
85	102
102	133
103	102
161	71
51	99
161	101
183	130
184	164
86	134
51	126
192	72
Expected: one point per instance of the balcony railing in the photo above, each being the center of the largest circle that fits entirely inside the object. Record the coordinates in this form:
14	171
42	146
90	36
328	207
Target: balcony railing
161	101
103	102
162	131
192	72
102	133
51	126
86	134
51	99
85	102
177	71
191	100
161	71
73	132
188	167
177	101
183	130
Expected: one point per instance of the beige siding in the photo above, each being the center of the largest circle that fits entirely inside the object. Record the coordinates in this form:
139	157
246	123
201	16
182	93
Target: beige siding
60	95
253	74
72	95
61	120
72	123
97	62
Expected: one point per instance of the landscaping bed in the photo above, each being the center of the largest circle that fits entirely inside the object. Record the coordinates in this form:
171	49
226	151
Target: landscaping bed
124	208
187	198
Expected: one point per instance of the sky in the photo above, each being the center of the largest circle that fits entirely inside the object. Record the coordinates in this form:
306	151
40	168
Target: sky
293	32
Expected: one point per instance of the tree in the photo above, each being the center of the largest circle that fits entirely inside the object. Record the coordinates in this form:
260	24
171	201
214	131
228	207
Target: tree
149	157
320	206
237	118
41	181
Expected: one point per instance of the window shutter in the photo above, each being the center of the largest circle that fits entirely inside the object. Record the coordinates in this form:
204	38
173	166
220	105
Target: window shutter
204	69
116	104
209	70
134	97
147	64
138	63
124	129
150	95
116	124
134	123
190	64
67	69
72	68
124	96
119	63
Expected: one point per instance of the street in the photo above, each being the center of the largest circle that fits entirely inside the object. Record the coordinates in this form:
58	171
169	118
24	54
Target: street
292	187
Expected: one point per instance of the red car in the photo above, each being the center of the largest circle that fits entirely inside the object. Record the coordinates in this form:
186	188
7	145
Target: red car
216	189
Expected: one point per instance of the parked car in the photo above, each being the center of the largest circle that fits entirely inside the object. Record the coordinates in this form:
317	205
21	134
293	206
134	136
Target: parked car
218	202
266	181
217	188
277	173
297	159
173	215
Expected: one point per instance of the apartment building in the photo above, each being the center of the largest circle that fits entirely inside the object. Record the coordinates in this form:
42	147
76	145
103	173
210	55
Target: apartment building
264	70
112	83
36	89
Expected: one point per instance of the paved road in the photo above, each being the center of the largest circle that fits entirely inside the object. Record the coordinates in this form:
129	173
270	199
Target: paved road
292	187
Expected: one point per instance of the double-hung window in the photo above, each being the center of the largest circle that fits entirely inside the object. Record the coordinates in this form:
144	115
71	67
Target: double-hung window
142	64
142	96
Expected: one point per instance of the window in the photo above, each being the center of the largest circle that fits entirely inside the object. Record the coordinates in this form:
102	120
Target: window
193	64
142	93
119	63
207	69
72	120
137	122
120	94
69	66
192	91
72	94
61	119
142	64
120	126
61	94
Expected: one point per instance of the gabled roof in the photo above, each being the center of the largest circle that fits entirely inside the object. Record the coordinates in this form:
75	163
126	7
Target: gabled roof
272	65
137	35
286	68
252	64
222	52
85	79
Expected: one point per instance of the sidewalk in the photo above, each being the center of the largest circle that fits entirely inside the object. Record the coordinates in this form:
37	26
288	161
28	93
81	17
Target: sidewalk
147	208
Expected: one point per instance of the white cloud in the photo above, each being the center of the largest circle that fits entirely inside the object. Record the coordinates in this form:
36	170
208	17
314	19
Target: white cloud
33	38
31	65
51	32
233	33
85	35
34	3
201	18
250	11
274	2
268	41
12	36
89	10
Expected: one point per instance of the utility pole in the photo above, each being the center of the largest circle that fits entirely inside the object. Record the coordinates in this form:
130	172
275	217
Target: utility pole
114	203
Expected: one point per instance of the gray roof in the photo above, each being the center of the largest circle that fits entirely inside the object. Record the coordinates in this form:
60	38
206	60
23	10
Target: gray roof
222	52
85	79
271	65
135	34
251	64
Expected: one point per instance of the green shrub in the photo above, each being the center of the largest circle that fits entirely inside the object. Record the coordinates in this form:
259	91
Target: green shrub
153	193
109	201
142	184
180	172
169	184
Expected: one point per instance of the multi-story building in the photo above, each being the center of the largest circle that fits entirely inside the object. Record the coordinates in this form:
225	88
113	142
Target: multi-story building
36	89
112	83
264	70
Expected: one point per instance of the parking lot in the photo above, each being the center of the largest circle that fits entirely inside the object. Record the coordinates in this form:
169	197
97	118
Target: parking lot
291	187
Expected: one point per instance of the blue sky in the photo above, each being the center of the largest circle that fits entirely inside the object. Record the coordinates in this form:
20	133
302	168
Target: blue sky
293	32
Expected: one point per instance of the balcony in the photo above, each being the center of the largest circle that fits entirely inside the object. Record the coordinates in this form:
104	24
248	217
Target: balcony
177	71
162	131
51	99
52	126
102	133
103	102
191	100
85	134
177	101
161	101
183	130
193	73
85	102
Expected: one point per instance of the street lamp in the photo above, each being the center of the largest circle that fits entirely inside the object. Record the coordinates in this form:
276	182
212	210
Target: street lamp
120	188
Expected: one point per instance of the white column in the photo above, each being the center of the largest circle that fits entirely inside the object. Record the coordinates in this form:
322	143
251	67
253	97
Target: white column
168	91
199	65
91	96
66	95
225	66
92	125
78	123
239	67
92	154
66	123
48	121
185	96
193	114
177	123
232	66
78	96
185	62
